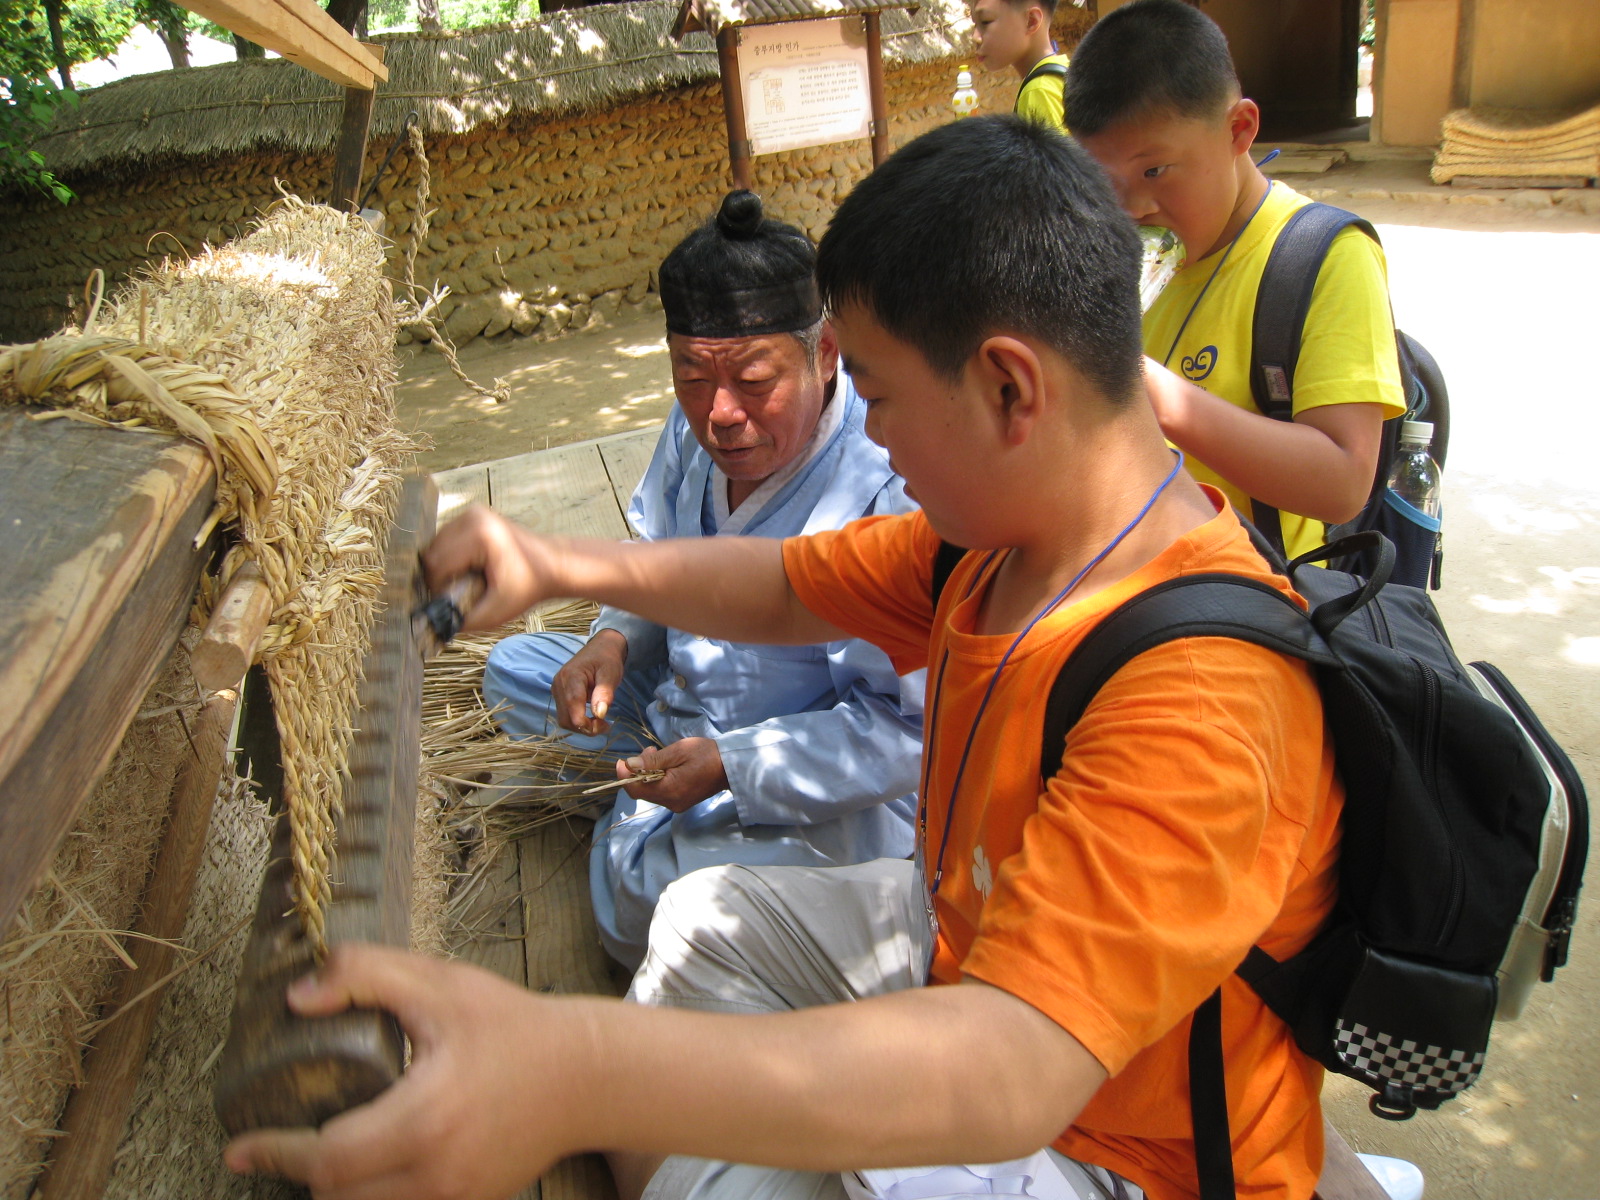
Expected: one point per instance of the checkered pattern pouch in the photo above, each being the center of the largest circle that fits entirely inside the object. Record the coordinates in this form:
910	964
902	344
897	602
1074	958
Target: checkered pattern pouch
1389	1059
1415	1034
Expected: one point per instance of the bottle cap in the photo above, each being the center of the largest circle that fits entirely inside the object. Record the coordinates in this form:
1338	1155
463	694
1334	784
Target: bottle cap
1416	431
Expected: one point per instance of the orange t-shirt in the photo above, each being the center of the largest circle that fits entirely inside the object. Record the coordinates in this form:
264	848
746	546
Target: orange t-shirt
1195	814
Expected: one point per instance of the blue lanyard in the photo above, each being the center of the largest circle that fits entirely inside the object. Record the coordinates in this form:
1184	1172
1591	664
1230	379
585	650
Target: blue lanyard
944	661
1217	270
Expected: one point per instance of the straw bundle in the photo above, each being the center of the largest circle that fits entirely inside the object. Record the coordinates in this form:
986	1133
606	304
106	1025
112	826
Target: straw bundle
1517	143
58	958
276	353
495	789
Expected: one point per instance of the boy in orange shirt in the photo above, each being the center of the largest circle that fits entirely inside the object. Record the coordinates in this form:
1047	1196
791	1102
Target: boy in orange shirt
1079	920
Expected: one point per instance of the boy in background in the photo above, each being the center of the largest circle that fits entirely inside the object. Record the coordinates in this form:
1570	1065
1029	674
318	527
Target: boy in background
1152	94
1066	928
1015	34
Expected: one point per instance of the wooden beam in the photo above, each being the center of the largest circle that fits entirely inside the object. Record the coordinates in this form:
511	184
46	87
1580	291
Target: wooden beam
350	155
101	569
301	32
278	1069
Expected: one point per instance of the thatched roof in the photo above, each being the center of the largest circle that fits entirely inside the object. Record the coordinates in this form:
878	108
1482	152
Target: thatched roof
712	15
567	60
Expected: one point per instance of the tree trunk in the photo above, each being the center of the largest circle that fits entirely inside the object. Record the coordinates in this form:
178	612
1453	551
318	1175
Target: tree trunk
58	43
177	44
346	13
428	15
171	25
245	48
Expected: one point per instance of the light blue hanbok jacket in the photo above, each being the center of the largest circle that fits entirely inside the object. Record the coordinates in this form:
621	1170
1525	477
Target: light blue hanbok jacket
821	744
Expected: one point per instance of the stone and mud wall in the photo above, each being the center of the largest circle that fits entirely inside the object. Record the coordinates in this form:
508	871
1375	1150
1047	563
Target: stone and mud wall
539	220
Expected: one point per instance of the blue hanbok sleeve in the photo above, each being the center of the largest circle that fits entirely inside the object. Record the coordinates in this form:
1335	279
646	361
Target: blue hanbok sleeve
817	766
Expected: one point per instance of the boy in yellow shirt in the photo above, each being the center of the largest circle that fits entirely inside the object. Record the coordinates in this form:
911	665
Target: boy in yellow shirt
1153	96
1015	34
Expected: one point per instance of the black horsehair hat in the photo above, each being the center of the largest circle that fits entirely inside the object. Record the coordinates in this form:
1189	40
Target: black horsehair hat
741	274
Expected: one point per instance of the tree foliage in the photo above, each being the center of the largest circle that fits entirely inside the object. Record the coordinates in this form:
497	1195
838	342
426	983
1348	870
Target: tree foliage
36	76
36	67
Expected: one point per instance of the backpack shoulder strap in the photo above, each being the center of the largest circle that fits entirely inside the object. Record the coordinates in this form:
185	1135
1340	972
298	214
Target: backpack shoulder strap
1283	298
1042	69
944	562
1208	605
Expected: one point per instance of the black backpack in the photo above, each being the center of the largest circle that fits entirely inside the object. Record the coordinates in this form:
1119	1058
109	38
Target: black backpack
1282	301
1465	831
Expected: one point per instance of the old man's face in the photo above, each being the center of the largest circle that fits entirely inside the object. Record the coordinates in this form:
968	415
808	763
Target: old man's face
752	402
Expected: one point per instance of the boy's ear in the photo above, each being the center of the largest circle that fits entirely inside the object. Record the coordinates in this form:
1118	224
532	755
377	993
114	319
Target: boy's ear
1036	16
1011	377
1244	124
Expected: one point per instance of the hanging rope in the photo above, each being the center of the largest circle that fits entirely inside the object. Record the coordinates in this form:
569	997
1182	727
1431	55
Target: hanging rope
417	306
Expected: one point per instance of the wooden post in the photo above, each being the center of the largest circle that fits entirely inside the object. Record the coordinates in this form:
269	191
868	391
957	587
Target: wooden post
733	107
351	153
97	1112
875	91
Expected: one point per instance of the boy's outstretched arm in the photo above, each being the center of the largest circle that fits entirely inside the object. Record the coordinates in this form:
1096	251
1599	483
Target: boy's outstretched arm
733	588
504	1082
1319	465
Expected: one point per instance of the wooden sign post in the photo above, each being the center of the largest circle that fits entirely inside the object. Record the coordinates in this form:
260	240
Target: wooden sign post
801	73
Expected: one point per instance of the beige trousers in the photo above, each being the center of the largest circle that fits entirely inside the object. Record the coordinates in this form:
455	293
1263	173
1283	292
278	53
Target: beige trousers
770	939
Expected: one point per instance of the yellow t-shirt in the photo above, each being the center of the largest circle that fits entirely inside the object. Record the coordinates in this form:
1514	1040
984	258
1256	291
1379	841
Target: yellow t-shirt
1041	97
1347	349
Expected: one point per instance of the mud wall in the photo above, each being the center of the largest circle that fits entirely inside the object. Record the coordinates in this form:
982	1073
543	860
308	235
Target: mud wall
538	221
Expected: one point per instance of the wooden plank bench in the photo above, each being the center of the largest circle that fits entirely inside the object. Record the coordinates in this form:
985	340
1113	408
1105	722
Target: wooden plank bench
97	554
532	914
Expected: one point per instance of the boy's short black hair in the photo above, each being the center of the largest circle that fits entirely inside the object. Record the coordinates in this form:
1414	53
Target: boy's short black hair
1049	6
985	226
1150	56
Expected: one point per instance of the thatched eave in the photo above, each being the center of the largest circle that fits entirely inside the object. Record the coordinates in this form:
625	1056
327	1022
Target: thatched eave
568	60
710	16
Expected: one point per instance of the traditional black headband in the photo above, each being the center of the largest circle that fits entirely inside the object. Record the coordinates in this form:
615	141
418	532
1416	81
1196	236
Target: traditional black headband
783	307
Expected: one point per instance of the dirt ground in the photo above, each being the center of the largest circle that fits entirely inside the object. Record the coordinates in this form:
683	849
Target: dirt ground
1505	297
609	378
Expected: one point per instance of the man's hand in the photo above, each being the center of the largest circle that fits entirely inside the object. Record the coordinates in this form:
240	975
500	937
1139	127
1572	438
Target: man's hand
693	769
475	1114
584	690
516	566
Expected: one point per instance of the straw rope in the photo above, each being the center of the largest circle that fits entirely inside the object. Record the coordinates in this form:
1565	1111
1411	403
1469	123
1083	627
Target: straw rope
419	311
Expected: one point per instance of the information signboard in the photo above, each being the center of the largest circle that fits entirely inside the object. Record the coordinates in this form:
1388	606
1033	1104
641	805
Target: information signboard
804	83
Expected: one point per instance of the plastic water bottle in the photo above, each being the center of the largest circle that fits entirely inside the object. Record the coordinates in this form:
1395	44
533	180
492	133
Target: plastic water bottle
1415	476
1163	255
965	98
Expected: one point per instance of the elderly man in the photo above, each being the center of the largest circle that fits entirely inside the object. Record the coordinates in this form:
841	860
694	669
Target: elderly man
771	754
